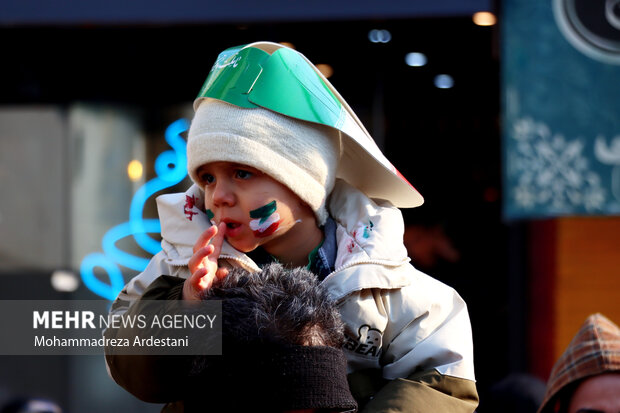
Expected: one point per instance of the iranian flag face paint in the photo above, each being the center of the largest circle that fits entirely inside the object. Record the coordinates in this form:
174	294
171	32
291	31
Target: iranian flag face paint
266	220
210	215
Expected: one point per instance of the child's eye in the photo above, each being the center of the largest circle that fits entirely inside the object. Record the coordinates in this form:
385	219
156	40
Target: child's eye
206	178
242	174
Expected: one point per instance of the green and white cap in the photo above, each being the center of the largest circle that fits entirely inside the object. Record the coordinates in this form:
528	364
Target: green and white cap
275	77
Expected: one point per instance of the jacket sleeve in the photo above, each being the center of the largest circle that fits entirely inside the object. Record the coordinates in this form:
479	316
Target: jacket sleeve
150	378
426	357
137	286
420	392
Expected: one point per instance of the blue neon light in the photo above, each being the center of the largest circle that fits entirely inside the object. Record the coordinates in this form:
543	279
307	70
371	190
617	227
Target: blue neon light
97	259
170	168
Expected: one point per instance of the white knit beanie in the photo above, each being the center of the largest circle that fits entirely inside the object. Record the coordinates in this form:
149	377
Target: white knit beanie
301	155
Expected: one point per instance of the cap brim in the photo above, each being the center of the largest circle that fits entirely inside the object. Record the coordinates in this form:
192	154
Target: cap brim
364	166
362	170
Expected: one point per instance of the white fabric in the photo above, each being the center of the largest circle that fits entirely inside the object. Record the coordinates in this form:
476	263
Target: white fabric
417	322
301	155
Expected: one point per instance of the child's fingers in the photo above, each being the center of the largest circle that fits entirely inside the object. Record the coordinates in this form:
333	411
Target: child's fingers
221	273
203	263
205	281
204	238
198	278
217	241
196	260
196	283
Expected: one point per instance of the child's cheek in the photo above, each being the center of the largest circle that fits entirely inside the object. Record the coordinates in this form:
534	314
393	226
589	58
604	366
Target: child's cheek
265	220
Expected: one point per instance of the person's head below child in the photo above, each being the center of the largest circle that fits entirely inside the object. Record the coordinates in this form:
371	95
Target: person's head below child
266	176
282	339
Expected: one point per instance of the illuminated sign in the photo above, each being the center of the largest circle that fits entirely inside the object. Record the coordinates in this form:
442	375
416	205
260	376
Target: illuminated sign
170	169
561	129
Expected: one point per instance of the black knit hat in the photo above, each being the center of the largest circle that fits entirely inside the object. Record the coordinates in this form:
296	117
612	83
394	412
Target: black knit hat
307	377
275	379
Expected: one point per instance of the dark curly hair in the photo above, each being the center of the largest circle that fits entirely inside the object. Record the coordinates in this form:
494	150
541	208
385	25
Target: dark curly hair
277	305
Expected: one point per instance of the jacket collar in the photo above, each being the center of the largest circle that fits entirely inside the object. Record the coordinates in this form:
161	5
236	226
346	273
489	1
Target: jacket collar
368	232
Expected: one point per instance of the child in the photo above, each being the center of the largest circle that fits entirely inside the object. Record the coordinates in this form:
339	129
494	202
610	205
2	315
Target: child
286	172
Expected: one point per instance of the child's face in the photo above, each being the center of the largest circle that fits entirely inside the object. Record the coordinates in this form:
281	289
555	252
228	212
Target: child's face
256	208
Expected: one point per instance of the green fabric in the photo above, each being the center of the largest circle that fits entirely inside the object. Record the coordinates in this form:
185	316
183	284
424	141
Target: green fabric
421	392
314	256
364	384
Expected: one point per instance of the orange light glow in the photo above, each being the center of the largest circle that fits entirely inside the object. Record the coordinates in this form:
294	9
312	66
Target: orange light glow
484	18
326	69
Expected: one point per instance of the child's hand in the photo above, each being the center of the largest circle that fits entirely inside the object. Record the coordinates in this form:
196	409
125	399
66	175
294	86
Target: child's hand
203	264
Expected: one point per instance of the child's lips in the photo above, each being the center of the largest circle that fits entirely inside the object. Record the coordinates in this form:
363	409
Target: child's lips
233	228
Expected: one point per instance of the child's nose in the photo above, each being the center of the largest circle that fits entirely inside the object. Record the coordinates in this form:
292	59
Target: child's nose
223	194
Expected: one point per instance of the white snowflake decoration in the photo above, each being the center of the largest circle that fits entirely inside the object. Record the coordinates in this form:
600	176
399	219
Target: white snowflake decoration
610	155
551	171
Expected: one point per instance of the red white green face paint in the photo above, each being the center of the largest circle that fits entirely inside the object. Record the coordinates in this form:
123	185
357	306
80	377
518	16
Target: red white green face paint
266	220
210	215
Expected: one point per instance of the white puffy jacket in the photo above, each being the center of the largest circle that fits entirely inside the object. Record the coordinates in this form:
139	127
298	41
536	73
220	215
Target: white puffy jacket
400	322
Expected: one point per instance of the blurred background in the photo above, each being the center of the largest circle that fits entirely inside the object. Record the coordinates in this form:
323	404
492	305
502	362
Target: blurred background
505	115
